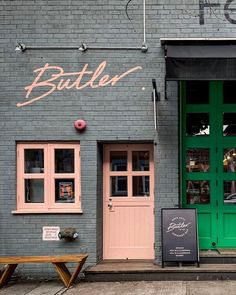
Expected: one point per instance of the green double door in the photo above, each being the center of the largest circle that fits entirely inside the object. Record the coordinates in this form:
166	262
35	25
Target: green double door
208	157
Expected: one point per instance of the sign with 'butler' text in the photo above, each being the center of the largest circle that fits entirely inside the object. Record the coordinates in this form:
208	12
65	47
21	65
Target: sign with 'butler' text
50	79
179	235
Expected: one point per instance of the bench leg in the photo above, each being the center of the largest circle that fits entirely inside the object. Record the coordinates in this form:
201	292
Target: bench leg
7	273
77	271
65	275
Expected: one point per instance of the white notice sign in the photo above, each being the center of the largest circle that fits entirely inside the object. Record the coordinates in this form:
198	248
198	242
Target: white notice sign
50	233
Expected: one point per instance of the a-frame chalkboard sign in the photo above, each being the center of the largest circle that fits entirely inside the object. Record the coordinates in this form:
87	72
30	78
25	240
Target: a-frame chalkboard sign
179	236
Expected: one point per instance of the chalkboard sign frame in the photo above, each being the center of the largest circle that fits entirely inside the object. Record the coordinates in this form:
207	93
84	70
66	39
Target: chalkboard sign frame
180	254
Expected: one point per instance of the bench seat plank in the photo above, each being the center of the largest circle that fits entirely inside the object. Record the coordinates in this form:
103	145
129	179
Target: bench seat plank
41	259
58	261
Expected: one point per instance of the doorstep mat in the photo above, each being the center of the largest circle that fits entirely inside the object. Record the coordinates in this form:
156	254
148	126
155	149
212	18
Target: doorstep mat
225	251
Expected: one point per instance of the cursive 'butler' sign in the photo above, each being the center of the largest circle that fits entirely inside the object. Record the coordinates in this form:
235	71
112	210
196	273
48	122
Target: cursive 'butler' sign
50	79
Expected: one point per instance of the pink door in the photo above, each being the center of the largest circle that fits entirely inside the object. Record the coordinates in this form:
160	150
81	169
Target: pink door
128	201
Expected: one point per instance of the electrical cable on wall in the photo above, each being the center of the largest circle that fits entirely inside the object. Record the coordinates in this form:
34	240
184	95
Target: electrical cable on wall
127	14
144	45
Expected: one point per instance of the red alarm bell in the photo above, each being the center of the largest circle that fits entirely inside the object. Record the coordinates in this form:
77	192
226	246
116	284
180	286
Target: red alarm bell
80	125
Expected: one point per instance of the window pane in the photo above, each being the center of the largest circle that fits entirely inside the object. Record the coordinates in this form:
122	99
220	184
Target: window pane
64	161
141	186
229	162
198	192
140	161
64	190
229	92
118	161
34	161
229	192
197	92
197	124
119	187
229	124
34	191
197	160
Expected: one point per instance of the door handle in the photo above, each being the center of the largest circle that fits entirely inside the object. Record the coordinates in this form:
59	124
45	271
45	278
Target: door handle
110	204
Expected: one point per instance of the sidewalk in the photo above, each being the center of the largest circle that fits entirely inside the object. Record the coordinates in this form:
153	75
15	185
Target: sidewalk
123	288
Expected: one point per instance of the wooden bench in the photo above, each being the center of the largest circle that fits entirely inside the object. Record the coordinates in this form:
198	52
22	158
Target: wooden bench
58	261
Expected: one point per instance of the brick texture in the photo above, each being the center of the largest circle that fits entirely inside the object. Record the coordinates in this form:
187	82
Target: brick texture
123	112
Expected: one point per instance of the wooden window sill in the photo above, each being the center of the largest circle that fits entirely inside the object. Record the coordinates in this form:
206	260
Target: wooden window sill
52	211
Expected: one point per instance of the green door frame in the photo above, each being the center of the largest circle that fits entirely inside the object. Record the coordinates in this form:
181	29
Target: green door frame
216	220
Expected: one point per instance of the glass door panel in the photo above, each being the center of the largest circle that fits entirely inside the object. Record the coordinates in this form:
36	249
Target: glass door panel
197	160
118	161
119	186
198	192
197	124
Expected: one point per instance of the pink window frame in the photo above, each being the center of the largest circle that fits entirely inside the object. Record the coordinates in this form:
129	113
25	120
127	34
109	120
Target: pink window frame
49	176
129	148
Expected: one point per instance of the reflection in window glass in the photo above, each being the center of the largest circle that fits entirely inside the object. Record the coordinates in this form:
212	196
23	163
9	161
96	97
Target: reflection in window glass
118	161
229	124
229	90
140	161
141	186
198	192
119	186
197	124
229	161
197	92
64	161
34	190
64	190
229	192
34	161
197	160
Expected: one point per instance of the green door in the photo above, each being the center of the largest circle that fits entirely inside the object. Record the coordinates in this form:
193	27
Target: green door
208	170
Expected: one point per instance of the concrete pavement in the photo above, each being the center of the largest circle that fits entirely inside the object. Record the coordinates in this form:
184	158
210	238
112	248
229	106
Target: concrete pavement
122	288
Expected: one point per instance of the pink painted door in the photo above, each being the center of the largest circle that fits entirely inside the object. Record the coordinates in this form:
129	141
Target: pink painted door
128	202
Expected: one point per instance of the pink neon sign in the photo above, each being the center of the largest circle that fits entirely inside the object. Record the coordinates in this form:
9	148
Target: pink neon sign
60	80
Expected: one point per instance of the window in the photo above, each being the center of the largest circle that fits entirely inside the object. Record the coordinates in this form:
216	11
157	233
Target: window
129	170
229	92
197	160
48	178
229	124
197	92
197	124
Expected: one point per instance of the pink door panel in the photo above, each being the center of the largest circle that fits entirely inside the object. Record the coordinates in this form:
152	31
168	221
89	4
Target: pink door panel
128	202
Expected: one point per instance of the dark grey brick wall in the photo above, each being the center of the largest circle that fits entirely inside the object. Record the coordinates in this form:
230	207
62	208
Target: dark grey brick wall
123	112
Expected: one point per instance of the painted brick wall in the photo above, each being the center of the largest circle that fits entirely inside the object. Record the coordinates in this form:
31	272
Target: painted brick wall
123	112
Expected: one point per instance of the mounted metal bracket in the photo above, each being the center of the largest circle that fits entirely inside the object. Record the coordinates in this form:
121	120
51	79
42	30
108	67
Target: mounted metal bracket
155	97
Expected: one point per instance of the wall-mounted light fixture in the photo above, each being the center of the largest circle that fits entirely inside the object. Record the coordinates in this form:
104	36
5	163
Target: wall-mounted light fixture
143	48
20	47
83	47
155	97
69	234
